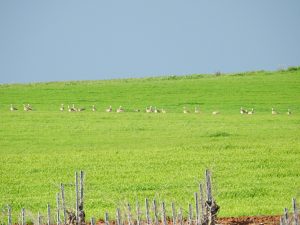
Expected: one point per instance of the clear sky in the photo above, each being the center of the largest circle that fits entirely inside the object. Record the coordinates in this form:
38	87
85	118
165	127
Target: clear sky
96	39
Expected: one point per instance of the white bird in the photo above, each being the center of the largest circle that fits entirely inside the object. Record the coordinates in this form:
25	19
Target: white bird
71	109
243	111
94	108
274	112
215	112
149	110
163	111
289	112
62	108
156	110
185	110
27	107
251	112
197	109
120	109
109	109
12	108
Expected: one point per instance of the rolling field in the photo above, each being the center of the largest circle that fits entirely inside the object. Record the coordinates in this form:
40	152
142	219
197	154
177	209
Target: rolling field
255	159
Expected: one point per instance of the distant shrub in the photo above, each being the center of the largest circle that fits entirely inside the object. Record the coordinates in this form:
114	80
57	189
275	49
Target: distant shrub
218	73
293	68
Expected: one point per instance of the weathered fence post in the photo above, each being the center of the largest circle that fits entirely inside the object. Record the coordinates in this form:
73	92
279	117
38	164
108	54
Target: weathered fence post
211	206
106	218
164	217
62	189
23	216
202	203
138	213
118	217
180	217
48	215
92	221
147	212
39	222
81	188
295	211
77	197
129	214
282	221
155	212
9	221
173	213
286	216
58	210
208	186
197	209
190	214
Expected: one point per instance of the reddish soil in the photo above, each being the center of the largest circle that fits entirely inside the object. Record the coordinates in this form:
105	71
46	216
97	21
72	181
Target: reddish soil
243	220
250	220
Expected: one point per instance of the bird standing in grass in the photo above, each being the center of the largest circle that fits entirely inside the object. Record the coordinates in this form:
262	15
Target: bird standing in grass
243	111
215	112
149	110
120	109
289	112
109	109
94	108
156	110
71	109
185	110
12	108
62	108
251	112
274	112
27	107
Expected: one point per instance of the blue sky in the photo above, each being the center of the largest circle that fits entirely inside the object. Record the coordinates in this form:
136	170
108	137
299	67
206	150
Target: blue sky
90	40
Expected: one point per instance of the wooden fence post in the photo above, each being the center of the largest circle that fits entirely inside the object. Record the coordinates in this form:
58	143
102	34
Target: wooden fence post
138	213
202	203
295	211
118	217
286	216
282	221
164	218
9	222
190	214
48	215
23	217
77	197
92	221
147	212
197	209
208	186
58	210
180	216
81	188
106	218
39	222
62	189
155	212
129	216
173	213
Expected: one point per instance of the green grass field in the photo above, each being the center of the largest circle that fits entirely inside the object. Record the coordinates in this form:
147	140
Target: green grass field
255	159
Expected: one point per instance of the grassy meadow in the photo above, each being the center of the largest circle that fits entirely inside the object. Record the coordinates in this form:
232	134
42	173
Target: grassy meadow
255	159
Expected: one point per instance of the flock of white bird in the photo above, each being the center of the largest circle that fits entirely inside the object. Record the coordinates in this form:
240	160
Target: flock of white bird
149	109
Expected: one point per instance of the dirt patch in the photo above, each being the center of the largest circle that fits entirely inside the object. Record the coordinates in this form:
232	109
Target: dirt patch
250	220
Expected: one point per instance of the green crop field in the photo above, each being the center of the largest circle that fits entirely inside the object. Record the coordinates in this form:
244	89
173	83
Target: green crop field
254	159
